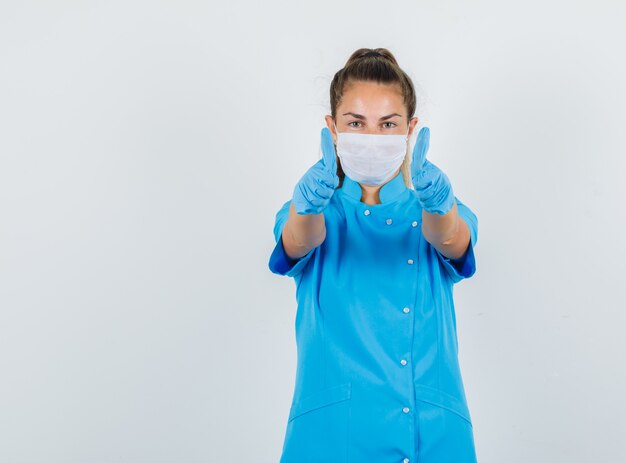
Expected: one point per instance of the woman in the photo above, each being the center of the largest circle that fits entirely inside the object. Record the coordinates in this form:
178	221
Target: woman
375	240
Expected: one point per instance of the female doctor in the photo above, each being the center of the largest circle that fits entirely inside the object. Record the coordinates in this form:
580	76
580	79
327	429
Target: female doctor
375	240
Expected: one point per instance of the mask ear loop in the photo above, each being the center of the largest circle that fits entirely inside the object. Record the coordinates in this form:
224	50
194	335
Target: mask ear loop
336	132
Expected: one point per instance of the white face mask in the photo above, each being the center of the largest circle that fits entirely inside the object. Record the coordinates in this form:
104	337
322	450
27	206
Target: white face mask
371	159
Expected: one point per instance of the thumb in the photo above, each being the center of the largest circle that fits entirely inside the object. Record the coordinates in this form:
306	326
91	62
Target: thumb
328	151
419	151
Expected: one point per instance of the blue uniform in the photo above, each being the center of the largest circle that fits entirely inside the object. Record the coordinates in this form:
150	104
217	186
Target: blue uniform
378	378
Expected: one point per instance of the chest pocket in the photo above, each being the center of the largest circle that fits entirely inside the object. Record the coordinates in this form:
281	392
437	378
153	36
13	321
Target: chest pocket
317	429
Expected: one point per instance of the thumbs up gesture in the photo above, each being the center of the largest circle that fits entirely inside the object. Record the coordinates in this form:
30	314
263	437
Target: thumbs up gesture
313	191
431	184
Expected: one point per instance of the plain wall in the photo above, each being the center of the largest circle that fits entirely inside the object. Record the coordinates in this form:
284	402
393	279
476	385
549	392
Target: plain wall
145	148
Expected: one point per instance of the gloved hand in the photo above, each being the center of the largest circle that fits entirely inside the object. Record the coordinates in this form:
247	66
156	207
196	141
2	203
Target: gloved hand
314	190
431	184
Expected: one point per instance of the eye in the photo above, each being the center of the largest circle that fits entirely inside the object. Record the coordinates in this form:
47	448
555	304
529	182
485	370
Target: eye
393	124
353	122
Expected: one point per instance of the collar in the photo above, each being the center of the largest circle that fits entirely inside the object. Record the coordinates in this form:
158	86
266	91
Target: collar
389	192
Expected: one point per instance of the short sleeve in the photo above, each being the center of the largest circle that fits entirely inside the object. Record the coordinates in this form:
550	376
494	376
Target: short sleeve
280	263
464	267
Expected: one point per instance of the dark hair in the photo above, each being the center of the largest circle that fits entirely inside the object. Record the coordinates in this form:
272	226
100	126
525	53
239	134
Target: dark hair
373	65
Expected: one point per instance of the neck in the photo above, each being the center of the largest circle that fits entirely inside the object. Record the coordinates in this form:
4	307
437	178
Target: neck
370	194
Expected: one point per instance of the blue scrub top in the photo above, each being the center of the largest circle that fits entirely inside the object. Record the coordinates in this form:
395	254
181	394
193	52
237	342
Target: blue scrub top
378	377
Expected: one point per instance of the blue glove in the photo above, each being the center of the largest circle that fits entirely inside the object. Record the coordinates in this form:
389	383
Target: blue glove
314	190
431	184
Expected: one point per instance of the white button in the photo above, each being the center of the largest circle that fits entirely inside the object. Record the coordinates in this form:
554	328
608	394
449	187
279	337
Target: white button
414	223
366	212
405	409
406	310
406	460
410	261
403	362
389	221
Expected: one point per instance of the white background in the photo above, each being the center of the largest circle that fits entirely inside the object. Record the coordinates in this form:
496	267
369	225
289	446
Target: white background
146	147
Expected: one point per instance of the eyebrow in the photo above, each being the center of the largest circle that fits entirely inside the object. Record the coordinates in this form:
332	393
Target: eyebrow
359	116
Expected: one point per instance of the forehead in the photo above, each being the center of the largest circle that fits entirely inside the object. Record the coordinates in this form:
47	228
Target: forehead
371	99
